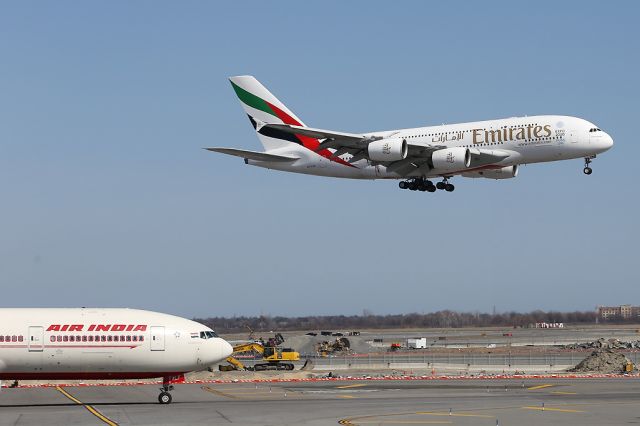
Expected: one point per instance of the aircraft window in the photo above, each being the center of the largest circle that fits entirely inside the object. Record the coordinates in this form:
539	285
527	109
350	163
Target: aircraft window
128	338
53	338
135	338
141	339
91	338
1	338
19	338
103	338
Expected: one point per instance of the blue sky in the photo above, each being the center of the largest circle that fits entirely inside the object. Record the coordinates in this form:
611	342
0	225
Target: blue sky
109	200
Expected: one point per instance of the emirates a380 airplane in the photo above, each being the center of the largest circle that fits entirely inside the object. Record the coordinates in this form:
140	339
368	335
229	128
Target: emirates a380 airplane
83	343
483	149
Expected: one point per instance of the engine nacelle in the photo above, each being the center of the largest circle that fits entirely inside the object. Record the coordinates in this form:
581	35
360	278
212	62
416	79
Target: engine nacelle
392	149
451	159
502	173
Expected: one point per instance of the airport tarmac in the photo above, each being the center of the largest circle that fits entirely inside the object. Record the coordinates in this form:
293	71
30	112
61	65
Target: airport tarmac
364	402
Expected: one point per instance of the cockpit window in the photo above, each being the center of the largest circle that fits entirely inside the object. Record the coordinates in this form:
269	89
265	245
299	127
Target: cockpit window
594	129
208	334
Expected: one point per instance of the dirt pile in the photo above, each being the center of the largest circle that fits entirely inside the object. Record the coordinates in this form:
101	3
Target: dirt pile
606	344
602	361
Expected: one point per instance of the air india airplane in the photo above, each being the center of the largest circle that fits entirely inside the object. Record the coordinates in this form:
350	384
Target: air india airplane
490	149
84	343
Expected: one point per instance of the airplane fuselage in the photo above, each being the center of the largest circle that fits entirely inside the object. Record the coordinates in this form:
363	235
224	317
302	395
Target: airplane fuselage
86	343
526	140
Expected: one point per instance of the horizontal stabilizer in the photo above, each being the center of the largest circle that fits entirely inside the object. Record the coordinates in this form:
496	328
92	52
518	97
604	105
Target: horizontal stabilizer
253	155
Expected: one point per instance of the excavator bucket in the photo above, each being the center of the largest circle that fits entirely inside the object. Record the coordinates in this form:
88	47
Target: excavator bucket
308	365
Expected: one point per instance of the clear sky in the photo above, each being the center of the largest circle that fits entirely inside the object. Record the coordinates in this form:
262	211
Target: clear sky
109	200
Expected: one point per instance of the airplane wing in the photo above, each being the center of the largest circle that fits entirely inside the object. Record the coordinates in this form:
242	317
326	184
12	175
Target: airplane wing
418	155
253	155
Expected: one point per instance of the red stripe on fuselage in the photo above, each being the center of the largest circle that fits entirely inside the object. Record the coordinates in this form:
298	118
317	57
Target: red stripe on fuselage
307	142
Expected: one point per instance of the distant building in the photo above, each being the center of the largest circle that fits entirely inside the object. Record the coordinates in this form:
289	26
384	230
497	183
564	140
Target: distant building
622	312
549	325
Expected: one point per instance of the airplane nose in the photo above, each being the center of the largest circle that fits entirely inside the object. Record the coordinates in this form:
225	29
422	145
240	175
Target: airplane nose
227	349
607	142
602	143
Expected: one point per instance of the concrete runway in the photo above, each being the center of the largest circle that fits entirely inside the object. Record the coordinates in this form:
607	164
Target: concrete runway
388	402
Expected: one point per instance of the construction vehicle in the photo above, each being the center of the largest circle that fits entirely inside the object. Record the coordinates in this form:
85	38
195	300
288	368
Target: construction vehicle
325	348
274	356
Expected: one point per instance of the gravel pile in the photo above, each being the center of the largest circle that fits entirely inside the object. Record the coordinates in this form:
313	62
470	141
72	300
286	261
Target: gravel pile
605	344
602	361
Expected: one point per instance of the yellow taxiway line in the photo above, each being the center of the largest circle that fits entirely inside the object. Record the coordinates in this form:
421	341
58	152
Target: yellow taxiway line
89	408
561	410
539	387
358	385
453	414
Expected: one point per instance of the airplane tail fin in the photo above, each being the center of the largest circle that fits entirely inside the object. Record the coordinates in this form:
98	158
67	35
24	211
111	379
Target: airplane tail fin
264	108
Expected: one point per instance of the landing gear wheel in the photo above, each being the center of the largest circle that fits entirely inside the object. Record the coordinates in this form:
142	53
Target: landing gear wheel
164	398
431	188
403	185
440	185
587	170
422	187
413	186
449	187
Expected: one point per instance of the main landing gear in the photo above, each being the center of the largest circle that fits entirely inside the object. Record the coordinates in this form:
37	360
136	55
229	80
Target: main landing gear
587	170
422	185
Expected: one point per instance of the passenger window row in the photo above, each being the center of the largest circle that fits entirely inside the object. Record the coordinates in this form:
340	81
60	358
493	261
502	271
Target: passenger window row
97	338
13	338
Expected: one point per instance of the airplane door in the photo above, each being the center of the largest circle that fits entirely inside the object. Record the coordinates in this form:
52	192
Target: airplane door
36	339
573	136
157	338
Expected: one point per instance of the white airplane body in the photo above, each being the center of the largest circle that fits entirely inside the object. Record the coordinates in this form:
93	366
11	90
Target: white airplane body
85	343
490	149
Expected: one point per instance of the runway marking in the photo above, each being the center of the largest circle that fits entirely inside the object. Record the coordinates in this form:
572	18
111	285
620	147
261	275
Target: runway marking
346	396
453	414
540	387
357	385
413	422
217	392
89	408
561	410
564	393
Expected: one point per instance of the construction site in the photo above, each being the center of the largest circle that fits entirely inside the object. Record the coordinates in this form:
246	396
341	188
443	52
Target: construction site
450	352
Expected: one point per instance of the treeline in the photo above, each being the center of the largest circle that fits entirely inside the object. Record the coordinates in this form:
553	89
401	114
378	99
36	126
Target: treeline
440	319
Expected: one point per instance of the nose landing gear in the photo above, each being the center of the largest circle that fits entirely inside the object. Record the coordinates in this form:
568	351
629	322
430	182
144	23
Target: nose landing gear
587	170
165	396
424	185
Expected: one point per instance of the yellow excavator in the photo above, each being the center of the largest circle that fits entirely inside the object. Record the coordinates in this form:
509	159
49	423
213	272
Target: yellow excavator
275	357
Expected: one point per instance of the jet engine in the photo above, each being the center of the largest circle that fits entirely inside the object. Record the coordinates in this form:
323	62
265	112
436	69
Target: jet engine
451	159
393	149
502	173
